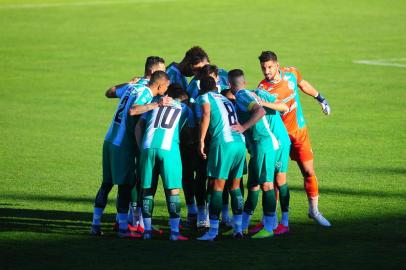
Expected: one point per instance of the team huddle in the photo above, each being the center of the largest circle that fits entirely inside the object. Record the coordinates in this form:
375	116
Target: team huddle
196	137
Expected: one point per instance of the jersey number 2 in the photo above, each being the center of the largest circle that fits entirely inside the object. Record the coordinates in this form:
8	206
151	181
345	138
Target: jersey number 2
119	113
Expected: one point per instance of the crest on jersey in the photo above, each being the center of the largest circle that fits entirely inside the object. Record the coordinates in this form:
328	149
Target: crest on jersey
286	77
291	85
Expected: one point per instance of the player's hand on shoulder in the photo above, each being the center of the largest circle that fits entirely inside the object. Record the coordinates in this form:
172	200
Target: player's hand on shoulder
165	101
239	128
134	80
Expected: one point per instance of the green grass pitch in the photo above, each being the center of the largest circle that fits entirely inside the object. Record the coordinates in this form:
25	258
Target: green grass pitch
58	57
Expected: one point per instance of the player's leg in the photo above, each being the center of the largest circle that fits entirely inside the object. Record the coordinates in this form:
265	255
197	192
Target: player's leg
172	181
215	205
253	193
188	182
302	153
123	202
103	192
147	162
225	217
281	169
200	193
267	174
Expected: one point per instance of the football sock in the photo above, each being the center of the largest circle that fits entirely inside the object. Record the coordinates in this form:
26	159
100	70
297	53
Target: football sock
97	214
192	209
268	202
215	205
148	207
313	204
214	226
174	222
246	218
251	202
285	219
147	224
237	201
201	212
174	206
269	222
122	221
311	186
237	223
284	197
224	212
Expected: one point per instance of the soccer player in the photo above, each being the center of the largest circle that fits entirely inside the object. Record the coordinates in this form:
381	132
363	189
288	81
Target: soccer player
219	75
152	64
226	154
262	146
282	156
119	150
285	84
161	155
194	59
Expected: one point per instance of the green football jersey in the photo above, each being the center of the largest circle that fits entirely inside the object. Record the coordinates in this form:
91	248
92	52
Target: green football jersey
163	126
245	100
222	117
274	118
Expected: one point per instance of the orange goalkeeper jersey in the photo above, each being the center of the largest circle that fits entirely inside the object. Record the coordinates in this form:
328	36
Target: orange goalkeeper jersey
287	91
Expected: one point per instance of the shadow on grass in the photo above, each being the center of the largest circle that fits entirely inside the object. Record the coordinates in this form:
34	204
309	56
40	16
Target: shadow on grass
39	239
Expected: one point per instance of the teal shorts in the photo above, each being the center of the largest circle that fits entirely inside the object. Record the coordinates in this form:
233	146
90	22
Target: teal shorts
282	160
118	164
261	167
226	161
168	164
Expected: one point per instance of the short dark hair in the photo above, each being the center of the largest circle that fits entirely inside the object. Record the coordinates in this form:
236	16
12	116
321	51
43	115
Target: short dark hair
234	75
151	61
158	75
267	56
196	55
207	84
207	70
175	90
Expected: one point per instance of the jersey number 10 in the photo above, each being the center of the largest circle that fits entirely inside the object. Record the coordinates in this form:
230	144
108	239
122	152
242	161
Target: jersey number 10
166	117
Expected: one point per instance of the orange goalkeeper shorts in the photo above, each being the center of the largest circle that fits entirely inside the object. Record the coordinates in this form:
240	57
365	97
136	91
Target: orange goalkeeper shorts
300	149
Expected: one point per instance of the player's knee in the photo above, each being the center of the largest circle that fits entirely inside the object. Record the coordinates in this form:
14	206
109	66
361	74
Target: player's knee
267	186
280	179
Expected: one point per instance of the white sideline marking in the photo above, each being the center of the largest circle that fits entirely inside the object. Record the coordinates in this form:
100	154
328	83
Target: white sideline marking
383	62
77	4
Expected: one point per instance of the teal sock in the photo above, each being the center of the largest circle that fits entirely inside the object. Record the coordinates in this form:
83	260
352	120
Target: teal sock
148	206
237	201
216	203
284	197
174	206
251	202
269	202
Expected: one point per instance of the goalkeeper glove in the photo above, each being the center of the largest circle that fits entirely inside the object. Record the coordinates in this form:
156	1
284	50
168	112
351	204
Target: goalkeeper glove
324	104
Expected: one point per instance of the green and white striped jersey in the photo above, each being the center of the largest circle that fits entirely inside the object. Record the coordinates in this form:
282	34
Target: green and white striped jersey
163	126
245	101
222	116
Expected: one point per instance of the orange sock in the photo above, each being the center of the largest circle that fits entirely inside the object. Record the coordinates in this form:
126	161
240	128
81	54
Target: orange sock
311	186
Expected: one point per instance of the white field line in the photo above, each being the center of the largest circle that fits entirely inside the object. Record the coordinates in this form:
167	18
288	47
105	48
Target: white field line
76	4
382	62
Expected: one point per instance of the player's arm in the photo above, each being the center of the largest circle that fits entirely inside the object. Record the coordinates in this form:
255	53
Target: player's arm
111	92
308	89
137	109
204	126
257	112
276	106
